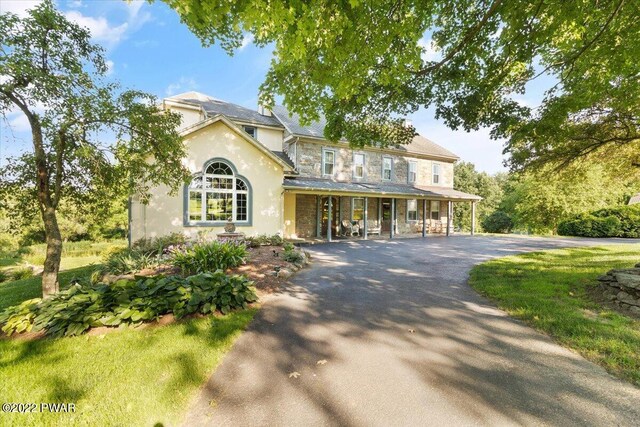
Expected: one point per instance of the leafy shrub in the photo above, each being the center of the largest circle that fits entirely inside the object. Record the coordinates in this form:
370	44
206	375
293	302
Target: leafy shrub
497	222
125	261
4	276
264	240
126	302
622	221
291	255
21	273
159	245
211	256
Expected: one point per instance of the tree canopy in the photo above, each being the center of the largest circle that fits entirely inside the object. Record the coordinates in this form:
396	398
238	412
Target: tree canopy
361	63
91	140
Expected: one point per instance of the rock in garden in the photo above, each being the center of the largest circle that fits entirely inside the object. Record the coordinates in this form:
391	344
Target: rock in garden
284	273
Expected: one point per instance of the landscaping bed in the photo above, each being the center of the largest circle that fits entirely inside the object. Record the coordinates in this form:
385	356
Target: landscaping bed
553	292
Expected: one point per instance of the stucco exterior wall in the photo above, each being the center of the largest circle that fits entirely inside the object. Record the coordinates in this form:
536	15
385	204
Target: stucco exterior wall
165	213
270	138
189	116
309	161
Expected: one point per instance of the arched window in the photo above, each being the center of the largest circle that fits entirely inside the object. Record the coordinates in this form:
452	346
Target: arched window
218	194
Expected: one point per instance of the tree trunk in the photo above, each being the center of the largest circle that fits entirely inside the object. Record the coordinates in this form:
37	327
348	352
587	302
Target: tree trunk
54	252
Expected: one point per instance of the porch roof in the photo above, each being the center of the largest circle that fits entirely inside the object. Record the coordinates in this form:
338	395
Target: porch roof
315	185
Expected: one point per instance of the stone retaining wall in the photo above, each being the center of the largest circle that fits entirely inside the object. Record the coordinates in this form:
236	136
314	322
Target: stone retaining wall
622	286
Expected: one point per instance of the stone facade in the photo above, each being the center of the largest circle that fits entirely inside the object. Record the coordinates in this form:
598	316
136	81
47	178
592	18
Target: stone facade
308	159
622	287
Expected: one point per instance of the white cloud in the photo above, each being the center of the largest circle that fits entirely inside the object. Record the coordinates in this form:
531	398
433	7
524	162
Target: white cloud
246	41
110	66
184	84
19	7
75	3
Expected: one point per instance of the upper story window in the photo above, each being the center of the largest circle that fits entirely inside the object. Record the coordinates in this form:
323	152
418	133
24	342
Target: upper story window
412	174
358	165
435	209
412	210
435	171
251	130
387	166
218	194
328	162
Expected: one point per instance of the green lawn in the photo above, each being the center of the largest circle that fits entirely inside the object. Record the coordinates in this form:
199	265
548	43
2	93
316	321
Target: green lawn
126	377
549	291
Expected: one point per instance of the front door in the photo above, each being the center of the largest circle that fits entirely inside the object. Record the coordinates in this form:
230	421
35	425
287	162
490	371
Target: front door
386	215
325	215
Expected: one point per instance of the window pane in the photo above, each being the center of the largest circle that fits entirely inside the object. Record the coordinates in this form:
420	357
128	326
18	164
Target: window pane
219	183
328	162
358	208
240	185
413	166
219	206
196	182
436	173
386	168
250	130
412	209
195	206
241	207
358	161
435	210
219	168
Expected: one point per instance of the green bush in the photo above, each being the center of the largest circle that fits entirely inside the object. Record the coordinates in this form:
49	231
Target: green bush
125	261
497	222
159	245
211	256
21	273
264	240
622	221
128	302
291	255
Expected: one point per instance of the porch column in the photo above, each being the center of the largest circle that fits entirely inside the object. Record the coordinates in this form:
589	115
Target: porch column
393	218
339	224
449	213
473	218
366	215
380	212
329	213
424	217
318	216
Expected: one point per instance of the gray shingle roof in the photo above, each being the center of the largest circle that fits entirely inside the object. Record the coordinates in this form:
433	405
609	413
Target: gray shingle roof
377	188
282	155
419	145
213	106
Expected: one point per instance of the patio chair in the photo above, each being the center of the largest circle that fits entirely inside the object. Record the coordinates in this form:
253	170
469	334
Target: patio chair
349	229
371	229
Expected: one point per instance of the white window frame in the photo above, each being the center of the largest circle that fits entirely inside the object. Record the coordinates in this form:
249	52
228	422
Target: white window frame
432	211
324	162
390	168
364	162
255	131
412	165
204	190
412	210
353	205
435	173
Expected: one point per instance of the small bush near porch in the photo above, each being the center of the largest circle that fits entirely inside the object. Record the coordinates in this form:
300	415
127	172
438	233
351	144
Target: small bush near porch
551	291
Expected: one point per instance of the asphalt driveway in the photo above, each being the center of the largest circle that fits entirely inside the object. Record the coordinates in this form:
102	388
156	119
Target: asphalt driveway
389	333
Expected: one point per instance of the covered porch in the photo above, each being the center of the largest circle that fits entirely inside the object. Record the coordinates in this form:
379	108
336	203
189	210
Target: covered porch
329	210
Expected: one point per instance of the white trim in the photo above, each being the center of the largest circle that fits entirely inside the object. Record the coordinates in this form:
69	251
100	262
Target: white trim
333	169
364	166
390	169
352	207
416	210
415	172
435	166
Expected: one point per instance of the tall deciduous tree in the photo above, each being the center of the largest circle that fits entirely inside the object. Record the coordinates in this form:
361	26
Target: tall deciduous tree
361	61
490	187
51	72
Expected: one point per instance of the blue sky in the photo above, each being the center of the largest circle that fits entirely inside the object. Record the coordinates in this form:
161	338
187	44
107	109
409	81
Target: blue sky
149	49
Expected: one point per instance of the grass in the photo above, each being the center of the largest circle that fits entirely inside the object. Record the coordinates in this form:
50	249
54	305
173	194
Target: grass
549	290
127	377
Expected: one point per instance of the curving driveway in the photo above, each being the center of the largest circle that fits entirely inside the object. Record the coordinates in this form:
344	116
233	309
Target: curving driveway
346	328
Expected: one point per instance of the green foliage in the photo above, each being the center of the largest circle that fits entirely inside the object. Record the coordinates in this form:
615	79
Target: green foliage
207	257
159	245
489	187
497	222
128	261
264	240
291	255
21	273
623	221
363	62
128	302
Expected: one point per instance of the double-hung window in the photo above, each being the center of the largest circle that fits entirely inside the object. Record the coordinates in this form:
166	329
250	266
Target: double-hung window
435	209
435	171
412	210
387	166
413	171
218	195
358	165
328	162
357	208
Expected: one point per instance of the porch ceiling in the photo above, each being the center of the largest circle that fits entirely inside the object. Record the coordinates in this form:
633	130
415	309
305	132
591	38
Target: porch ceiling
324	186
